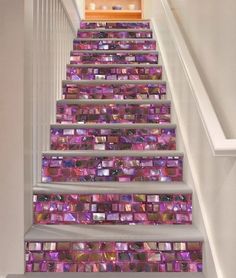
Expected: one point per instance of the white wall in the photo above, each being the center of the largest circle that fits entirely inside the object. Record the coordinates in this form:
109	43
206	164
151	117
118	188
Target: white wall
12	136
213	177
35	42
80	5
209	29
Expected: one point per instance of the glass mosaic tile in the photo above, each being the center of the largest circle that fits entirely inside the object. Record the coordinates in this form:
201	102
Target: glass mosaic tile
114	45
113	139
122	169
113	113
112	208
112	257
114	91
114	34
77	57
114	25
113	73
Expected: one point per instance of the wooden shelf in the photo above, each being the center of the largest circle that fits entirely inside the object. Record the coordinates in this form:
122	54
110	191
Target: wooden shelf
113	14
110	14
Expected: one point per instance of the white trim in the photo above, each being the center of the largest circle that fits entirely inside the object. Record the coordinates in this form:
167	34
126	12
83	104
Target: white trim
221	146
72	12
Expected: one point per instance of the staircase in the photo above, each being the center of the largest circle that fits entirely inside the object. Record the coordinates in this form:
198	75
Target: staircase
112	196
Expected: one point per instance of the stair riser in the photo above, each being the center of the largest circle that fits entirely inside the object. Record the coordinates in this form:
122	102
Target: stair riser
113	113
112	209
122	169
113	256
113	73
117	58
115	34
112	139
114	45
114	25
110	91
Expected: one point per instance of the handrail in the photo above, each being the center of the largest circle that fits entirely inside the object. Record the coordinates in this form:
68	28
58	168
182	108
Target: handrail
220	145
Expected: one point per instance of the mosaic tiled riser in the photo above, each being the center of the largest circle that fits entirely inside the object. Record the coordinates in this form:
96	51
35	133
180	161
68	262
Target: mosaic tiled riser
113	139
113	113
112	208
113	257
114	34
114	45
115	25
113	73
118	58
122	169
111	91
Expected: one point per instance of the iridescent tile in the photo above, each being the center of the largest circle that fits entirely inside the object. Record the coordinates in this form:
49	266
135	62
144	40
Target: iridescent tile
109	256
165	246
34	246
99	216
124	256
49	246
154	257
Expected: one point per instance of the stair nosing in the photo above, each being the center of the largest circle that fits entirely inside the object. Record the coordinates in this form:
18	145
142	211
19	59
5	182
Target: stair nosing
105	153
113	233
113	39
105	82
117	51
113	101
115	30
113	126
114	65
114	188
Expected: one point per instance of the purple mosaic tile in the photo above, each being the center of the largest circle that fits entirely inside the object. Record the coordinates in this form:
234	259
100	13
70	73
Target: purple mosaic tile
111	34
78	57
122	169
113	139
112	208
113	113
113	256
113	73
114	25
114	91
114	45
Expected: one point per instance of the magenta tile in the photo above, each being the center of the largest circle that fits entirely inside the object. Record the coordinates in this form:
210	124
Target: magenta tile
114	25
76	72
77	57
112	139
112	257
114	91
113	113
114	45
90	169
114	34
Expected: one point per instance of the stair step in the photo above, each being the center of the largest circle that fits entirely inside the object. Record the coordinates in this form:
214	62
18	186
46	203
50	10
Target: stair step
116	111
112	137
112	57
122	166
116	89
108	275
115	33
110	72
169	233
114	25
125	209
114	44
114	187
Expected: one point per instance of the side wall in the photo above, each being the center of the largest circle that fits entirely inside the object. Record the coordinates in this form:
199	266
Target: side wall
213	177
208	28
12	136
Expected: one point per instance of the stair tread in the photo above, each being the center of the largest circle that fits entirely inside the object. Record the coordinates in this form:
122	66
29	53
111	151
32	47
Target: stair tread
116	51
133	65
113	233
121	153
114	187
109	274
113	101
113	126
